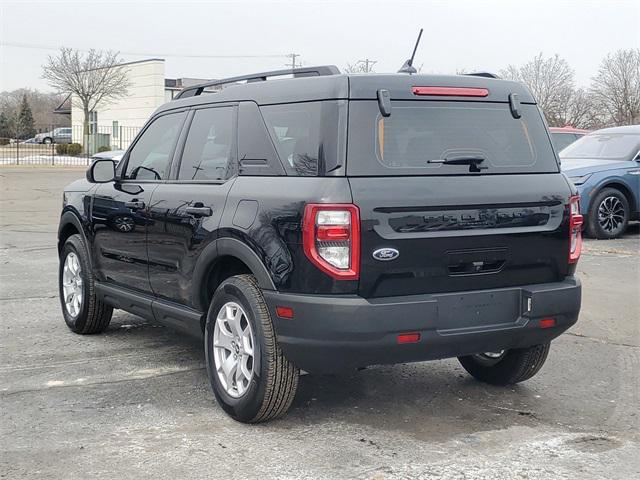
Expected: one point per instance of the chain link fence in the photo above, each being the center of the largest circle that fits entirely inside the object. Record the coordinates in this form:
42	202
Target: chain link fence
65	146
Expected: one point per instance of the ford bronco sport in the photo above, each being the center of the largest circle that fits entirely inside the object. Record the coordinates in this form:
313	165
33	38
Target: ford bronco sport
327	222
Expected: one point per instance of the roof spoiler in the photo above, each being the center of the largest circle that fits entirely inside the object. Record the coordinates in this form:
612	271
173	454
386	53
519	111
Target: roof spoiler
319	71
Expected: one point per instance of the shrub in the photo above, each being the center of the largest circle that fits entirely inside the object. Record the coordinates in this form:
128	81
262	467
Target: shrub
74	149
4	141
62	148
103	148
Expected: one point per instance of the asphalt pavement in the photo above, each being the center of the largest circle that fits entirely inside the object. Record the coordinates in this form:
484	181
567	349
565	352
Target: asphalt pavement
135	402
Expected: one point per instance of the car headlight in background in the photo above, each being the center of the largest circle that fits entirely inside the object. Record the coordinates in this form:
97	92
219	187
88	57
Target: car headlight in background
580	180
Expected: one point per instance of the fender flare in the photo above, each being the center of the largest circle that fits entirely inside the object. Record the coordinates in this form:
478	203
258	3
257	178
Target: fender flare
70	217
227	247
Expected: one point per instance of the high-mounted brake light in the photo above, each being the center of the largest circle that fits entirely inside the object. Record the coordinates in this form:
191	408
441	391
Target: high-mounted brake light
451	91
331	239
575	229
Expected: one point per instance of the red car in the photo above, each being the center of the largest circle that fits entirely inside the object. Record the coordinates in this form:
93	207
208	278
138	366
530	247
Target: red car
564	136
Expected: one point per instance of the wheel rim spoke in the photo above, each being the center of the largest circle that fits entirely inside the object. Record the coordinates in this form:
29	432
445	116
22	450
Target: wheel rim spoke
228	369
223	341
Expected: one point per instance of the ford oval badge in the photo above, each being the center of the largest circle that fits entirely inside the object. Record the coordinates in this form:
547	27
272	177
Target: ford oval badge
386	254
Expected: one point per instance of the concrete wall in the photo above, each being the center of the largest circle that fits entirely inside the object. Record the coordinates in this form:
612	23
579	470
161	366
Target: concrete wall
145	94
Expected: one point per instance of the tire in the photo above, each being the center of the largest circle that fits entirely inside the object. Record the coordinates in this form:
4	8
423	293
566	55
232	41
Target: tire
272	386
608	214
513	366
47	141
92	315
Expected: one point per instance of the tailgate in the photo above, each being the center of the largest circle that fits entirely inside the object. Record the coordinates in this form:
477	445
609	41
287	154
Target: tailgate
459	233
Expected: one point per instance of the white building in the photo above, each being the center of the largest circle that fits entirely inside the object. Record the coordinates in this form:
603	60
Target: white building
117	122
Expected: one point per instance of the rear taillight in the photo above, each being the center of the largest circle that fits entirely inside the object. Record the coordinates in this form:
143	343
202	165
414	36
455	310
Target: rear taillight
575	229
331	239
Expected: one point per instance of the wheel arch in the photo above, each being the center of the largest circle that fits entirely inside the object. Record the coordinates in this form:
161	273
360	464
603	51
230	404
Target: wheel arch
69	225
224	258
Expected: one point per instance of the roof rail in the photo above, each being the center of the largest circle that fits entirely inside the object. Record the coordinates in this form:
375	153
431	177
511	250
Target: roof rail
482	74
321	70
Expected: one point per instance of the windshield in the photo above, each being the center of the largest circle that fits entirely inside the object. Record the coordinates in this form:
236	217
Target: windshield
601	146
451	138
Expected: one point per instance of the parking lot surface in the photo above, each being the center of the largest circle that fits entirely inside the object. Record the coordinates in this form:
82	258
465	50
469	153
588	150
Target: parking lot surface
135	402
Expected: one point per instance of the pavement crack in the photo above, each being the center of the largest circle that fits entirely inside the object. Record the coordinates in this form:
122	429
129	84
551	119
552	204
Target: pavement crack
106	382
600	340
10	299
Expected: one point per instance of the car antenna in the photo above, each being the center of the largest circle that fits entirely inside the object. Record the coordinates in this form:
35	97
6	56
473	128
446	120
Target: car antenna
408	65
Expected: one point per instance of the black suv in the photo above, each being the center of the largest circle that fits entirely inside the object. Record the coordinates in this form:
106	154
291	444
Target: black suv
327	222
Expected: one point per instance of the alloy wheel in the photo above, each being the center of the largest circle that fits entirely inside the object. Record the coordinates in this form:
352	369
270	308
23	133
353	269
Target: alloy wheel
233	349
72	284
611	214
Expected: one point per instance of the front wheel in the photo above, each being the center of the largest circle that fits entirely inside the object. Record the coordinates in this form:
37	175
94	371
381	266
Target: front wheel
508	366
83	311
608	214
251	379
47	141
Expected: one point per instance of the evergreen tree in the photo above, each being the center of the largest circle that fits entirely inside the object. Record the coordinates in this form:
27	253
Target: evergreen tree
5	125
26	127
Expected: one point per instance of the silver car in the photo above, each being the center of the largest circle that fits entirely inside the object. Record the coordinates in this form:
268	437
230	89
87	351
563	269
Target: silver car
57	135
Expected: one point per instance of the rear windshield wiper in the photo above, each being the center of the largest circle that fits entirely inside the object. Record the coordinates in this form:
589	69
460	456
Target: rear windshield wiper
473	162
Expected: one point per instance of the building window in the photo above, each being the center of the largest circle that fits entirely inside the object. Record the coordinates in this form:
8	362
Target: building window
93	122
115	130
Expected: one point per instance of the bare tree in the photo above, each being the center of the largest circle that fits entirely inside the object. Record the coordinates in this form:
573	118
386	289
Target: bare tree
551	82
361	66
616	87
580	109
93	78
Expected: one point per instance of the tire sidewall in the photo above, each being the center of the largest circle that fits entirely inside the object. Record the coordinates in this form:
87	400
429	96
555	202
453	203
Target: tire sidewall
595	229
246	407
74	245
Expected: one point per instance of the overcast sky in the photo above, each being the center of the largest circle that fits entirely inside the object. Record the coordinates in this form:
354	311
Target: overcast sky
474	35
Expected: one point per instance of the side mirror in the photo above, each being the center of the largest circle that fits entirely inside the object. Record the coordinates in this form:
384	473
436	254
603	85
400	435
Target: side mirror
102	171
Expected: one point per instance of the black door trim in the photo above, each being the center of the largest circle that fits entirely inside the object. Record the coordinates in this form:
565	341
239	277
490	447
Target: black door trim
169	314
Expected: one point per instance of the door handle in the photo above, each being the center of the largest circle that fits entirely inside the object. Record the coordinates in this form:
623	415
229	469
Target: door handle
134	204
199	211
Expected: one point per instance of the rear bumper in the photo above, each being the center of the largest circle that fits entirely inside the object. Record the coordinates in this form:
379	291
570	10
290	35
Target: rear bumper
329	334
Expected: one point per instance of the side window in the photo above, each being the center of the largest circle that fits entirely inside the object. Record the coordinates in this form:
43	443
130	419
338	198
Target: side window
295	130
208	152
150	157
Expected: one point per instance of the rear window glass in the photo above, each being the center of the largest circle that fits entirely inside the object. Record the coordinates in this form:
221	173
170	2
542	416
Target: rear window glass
613	146
419	136
295	131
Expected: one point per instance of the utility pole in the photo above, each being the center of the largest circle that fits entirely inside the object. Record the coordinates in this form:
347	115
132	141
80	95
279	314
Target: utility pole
293	57
368	64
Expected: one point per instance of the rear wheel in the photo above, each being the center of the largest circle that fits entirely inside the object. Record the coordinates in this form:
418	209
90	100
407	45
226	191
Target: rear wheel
608	214
251	379
508	366
83	312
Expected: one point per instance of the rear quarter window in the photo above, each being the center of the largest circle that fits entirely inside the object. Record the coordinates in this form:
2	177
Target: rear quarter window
420	131
295	131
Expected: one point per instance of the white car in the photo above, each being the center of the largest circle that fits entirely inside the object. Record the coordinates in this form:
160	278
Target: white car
115	155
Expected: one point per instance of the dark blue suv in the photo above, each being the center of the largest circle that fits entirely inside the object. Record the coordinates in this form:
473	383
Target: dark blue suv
605	167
